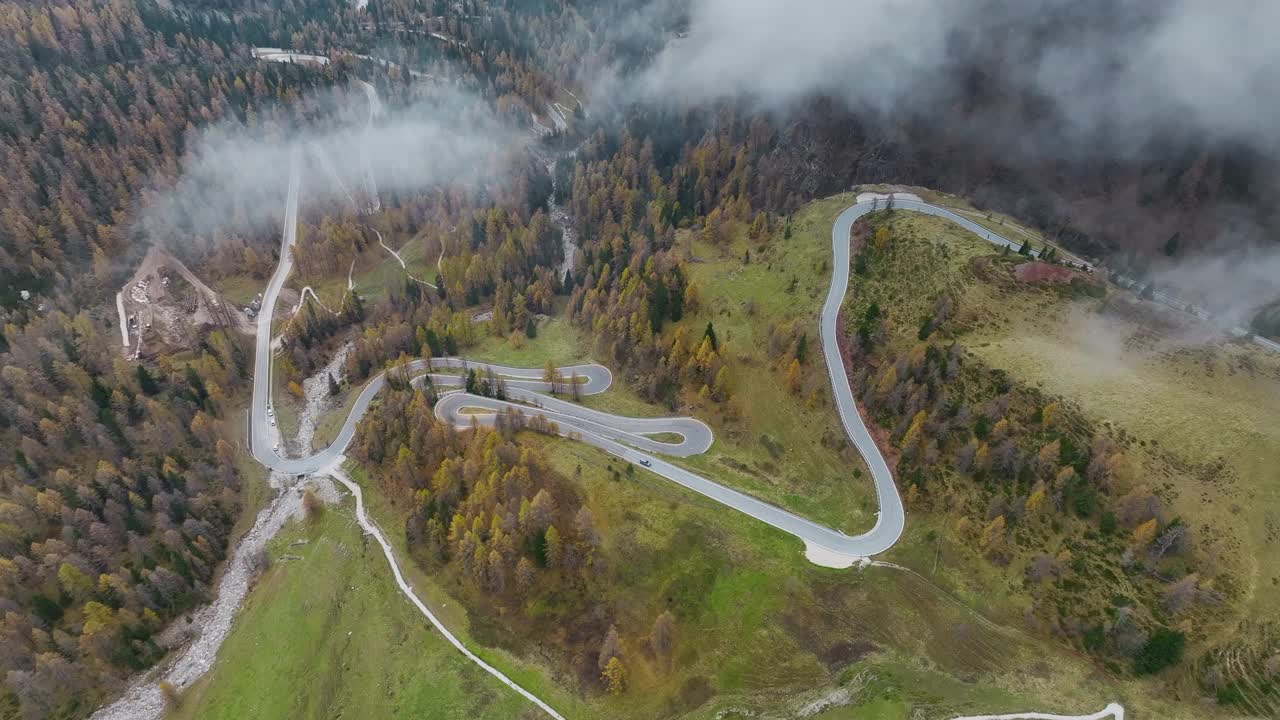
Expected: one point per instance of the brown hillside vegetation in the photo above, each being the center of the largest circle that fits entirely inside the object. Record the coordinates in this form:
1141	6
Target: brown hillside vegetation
1098	450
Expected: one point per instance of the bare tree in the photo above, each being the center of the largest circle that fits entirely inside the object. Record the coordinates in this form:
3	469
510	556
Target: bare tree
663	636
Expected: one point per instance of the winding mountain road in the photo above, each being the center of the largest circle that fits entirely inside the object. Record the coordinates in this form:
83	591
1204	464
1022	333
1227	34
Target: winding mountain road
627	438
1113	710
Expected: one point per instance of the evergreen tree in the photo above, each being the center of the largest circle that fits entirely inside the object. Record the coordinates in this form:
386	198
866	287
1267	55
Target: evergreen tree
146	381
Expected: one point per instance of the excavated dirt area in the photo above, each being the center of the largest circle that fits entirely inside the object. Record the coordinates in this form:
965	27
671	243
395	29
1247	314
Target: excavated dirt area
1039	272
166	308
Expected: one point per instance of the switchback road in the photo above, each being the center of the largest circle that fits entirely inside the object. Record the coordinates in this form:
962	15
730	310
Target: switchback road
623	437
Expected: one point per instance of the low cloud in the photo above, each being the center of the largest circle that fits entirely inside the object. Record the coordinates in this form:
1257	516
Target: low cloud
1233	285
1111	73
234	178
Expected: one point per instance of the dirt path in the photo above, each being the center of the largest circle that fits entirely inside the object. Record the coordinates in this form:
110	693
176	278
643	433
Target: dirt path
302	298
394	254
124	321
404	267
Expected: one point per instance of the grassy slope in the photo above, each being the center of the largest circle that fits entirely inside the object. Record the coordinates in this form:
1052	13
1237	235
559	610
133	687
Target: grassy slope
782	449
1202	422
995	221
759	626
759	587
1201	403
1199	418
779	449
331	421
389	516
329	636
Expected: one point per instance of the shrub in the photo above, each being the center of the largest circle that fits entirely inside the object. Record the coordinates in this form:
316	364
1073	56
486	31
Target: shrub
311	503
1162	650
170	694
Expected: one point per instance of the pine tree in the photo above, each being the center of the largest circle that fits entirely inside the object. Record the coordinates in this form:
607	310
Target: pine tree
334	388
146	382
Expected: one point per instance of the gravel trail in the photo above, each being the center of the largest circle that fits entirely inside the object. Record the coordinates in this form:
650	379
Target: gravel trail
335	471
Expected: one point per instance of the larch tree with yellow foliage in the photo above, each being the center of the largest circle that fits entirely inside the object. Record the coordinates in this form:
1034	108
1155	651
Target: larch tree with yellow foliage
1036	500
887	381
913	431
793	376
993	534
1145	533
615	676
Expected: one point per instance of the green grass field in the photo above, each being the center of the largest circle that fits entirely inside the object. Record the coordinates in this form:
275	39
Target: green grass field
557	341
240	289
329	636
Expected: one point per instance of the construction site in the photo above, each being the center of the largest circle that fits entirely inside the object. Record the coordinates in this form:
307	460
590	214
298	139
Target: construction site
165	308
